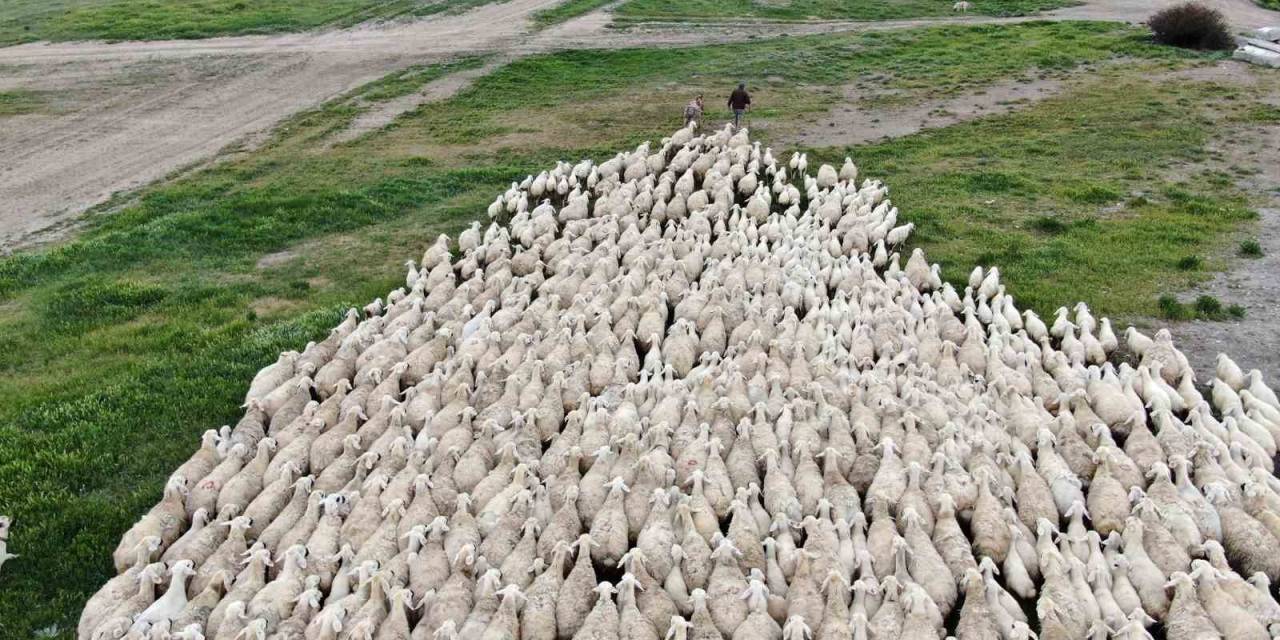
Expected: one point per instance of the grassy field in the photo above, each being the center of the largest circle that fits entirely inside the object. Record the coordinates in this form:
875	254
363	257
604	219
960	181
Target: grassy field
31	20
125	343
28	20
1074	199
819	9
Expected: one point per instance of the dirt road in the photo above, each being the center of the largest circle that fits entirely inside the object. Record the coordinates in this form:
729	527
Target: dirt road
131	113
126	114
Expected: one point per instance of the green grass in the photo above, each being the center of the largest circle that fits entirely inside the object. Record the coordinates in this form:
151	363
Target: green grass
788	77
971	189
20	102
413	78
124	344
1264	113
27	20
788	10
1190	263
1274	5
1251	249
566	11
698	10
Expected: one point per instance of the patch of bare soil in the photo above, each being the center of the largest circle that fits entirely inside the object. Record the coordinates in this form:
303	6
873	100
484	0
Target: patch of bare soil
271	306
1242	14
1253	154
276	259
868	116
1254	342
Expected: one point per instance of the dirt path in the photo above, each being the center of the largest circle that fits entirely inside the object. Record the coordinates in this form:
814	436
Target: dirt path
141	110
1253	156
158	117
1242	14
1254	341
384	113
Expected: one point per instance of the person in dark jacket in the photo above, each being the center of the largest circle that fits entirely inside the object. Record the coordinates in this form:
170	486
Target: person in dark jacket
740	102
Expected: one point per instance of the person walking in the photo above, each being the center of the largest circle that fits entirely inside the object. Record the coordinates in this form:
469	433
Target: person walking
693	111
740	102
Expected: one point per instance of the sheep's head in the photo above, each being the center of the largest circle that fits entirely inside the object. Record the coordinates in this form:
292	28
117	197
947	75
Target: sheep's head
153	573
148	545
181	569
239	524
796	629
227	513
190	632
113	629
295	555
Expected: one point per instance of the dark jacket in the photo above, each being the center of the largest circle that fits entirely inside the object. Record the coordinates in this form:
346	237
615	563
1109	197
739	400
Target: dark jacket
739	99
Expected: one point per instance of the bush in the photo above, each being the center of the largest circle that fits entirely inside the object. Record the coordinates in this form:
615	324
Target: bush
1208	306
1250	249
1189	263
1171	309
1204	308
1049	225
1191	26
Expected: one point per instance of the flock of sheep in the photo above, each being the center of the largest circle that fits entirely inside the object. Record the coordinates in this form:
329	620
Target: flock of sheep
693	393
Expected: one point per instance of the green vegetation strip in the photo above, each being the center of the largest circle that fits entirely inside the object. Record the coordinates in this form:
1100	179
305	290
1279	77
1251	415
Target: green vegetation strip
702	10
19	102
28	20
123	345
1070	198
567	10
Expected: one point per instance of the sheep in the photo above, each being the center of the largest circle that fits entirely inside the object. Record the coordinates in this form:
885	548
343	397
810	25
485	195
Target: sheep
248	481
165	520
226	557
272	376
1227	615
172	603
1187	619
1246	540
117	622
200	606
